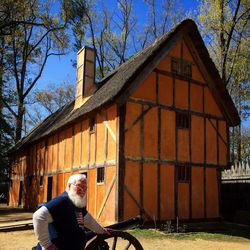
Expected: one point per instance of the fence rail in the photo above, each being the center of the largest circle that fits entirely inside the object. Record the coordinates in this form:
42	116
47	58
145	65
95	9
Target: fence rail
237	173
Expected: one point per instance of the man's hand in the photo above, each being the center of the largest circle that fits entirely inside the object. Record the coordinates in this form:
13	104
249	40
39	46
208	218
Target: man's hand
52	247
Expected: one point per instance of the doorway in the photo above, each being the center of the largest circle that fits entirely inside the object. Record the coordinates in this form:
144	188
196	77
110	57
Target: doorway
49	188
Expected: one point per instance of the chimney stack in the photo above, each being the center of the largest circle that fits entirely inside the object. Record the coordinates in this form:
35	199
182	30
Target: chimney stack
85	86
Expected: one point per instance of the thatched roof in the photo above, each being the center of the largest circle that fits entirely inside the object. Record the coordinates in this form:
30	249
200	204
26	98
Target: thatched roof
114	85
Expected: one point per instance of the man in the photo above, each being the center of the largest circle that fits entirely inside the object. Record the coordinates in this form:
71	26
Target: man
59	223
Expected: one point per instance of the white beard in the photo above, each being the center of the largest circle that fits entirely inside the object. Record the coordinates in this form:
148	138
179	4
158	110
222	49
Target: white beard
77	200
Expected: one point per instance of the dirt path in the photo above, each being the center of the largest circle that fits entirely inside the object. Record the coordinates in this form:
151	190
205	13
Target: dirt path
22	240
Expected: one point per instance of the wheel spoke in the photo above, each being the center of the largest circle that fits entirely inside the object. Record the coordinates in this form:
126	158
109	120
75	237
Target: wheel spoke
114	243
127	247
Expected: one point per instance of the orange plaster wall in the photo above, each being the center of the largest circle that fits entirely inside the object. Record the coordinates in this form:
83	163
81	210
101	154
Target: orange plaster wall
150	188
77	145
55	153
183	200
132	135
197	192
212	193
34	160
34	192
211	140
196	74
147	90
61	150
132	113
176	50
41	195
45	157
23	165
92	139
112	122
45	185
61	188
197	138
50	153
210	105
165	92
109	209
66	177
91	191
69	149
151	133
14	193
222	143
29	160
183	145
196	102
85	142
20	165
99	198
167	135
43	163
38	157
167	192
24	161
100	139
132	181
111	155
186	53
181	94
17	165
165	64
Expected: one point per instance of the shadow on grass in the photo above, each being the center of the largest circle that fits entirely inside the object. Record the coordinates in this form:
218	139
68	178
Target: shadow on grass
219	231
224	227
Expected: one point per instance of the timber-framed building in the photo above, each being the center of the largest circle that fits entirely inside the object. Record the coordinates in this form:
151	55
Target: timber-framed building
152	138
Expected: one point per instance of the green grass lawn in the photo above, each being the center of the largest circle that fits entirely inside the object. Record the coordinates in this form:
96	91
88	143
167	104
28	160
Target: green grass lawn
219	231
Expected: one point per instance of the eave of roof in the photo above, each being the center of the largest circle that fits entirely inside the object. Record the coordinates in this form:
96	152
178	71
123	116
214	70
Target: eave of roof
113	85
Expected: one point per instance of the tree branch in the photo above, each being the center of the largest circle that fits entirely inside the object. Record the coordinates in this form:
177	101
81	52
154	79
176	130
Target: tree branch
8	107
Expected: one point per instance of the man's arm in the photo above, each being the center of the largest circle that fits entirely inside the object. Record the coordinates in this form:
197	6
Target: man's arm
93	225
41	220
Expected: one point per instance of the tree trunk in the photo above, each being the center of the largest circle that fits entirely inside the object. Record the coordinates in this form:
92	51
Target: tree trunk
239	144
19	121
232	145
222	41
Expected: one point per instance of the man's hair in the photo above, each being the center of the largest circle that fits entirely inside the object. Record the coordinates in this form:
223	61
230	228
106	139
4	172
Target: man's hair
75	178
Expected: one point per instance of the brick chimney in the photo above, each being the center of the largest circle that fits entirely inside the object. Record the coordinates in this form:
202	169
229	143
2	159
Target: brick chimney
85	86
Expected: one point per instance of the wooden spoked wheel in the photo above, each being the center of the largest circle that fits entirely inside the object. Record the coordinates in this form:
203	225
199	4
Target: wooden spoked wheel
116	240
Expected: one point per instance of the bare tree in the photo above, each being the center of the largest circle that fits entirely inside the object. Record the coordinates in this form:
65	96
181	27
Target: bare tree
28	48
161	17
225	26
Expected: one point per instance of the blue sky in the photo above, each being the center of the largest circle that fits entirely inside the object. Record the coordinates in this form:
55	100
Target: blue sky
59	69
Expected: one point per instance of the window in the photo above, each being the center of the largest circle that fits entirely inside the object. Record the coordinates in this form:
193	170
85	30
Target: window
183	172
176	65
181	67
92	125
182	120
100	175
186	69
